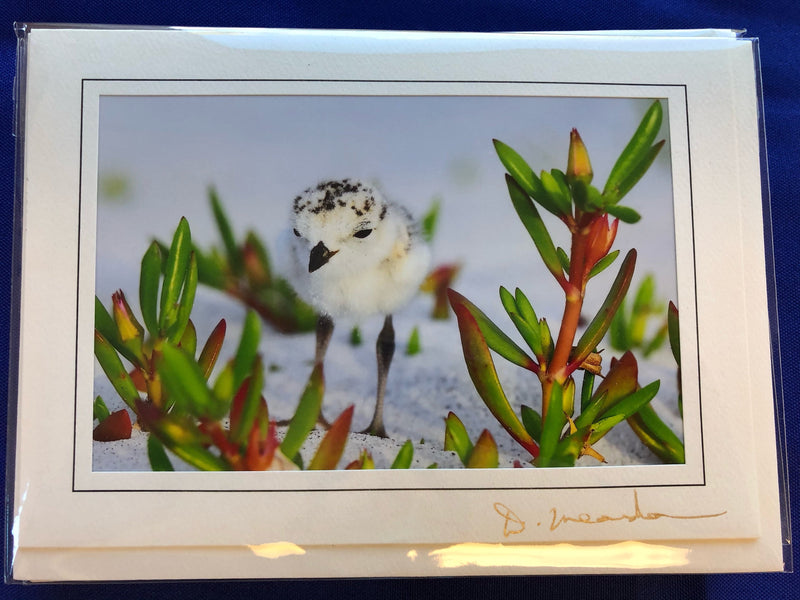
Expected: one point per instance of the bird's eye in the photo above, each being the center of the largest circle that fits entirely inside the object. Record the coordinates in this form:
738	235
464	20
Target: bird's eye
362	233
297	233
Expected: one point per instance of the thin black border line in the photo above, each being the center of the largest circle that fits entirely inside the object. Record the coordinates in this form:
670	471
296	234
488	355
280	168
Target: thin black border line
78	296
696	299
425	489
304	80
424	81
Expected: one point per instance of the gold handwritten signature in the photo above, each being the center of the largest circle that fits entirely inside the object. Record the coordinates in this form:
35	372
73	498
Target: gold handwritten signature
512	524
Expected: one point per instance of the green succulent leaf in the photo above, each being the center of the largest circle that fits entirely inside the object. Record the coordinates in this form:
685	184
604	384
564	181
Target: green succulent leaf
604	425
210	352
603	263
619	331
592	409
484	377
568	397
492	335
535	226
250	407
528	330
430	220
248	348
552	425
331	447
232	251
564	195
531	334
524	307
149	279
580	194
532	421
599	325
508	301
547	339
563	259
634	153
656	342
657	436
210	270
355	336
623	213
159	461
175	274
645	294
525	177
181	436
555	192
626	185
100	410
587	389
674	332
115	371
104	323
186	384
188	341
456	438
306	415
404	456
175	332
594	199
414	345
623	409
484	455
621	380
566	453
254	244
633	402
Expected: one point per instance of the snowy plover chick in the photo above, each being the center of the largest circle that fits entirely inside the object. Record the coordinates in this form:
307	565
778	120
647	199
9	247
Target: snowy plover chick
356	254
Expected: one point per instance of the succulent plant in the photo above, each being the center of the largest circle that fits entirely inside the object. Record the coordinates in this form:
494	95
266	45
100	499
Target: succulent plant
557	435
483	454
243	270
166	303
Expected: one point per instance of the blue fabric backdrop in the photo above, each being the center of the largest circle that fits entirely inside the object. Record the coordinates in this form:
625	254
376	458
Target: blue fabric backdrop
776	23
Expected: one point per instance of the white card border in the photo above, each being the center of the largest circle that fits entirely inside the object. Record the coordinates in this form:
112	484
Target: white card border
35	478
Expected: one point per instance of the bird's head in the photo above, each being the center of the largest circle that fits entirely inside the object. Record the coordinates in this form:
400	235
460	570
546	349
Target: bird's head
344	226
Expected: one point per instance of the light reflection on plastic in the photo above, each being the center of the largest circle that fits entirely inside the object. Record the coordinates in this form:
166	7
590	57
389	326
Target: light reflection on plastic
15	525
412	554
276	550
623	555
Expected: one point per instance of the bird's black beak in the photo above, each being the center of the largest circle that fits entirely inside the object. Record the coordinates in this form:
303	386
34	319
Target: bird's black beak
320	255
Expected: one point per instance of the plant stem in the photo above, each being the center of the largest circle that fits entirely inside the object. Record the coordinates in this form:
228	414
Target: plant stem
574	291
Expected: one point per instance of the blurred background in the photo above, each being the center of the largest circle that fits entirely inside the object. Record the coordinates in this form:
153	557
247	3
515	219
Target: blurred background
159	155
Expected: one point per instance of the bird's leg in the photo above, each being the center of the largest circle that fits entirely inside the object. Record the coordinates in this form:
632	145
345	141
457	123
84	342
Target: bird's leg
324	333
384	349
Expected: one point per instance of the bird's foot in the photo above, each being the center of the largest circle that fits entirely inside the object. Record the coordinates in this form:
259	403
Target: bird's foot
375	429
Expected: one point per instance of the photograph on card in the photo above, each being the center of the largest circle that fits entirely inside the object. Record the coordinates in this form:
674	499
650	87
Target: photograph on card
326	282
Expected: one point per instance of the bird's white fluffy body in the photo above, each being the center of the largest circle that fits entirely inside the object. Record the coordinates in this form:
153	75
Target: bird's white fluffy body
375	258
